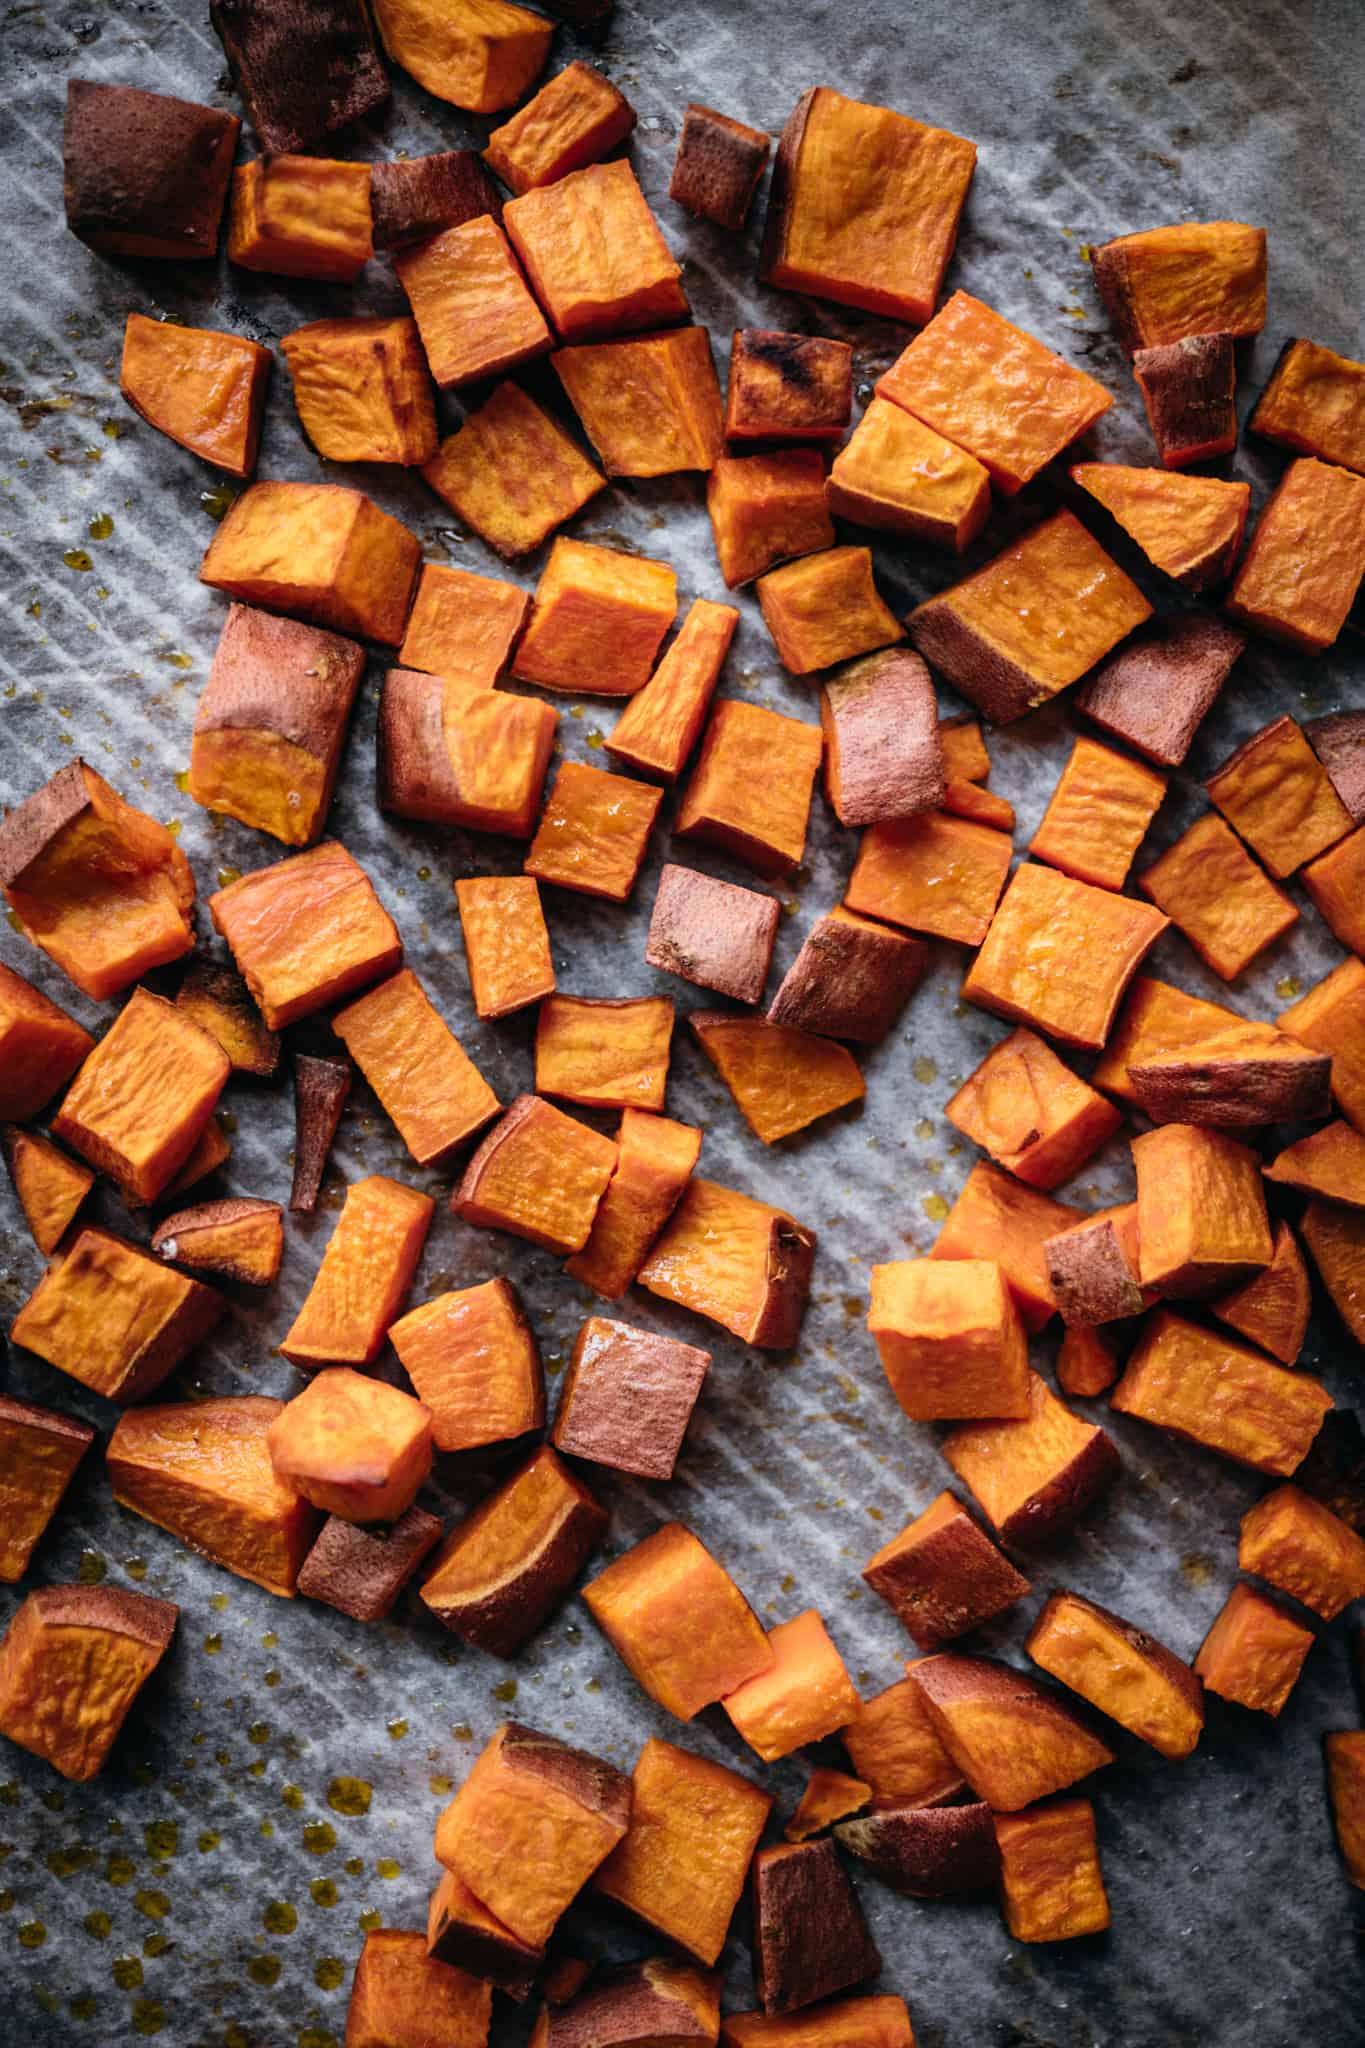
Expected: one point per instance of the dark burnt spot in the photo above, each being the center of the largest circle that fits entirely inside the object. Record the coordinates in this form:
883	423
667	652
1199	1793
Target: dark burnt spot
787	354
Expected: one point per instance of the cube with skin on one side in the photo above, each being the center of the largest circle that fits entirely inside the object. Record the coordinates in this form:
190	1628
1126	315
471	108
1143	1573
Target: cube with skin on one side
1154	693
1036	1477
851	979
942	1575
322	1085
1198	277
635	2004
927	1852
950	1339
718	166
1190	527
217	998
39	1453
678	1621
202	389
787	387
628	1398
239	1239
361	1572
1201	1223
996	1216
1093	1269
1121	1670
143	174
72	1662
1189	390
40	1046
1014	1740
302	71
883	757
473	1358
462	1931
353	1446
713	933
810	1937
452	752
1339	743
739	1262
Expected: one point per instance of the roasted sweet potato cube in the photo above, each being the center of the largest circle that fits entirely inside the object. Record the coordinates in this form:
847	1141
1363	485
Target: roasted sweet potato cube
898	475
364	1278
319	551
712	933
895	1748
575	119
1015	1741
473	306
1210	887
1345	1755
539	1174
1201	1385
353	1446
781	1079
649	405
1299	1546
413	198
143	174
212	1149
654	1162
597	621
203	389
1159	1021
1275	793
306	932
1329	1163
760	820
1273	1308
978	805
1254	1077
416	1066
594	254
1315	404
809	1935
1200	277
718	166
681	1865
1031	1113
868	2022
803	1696
950	1339
882	753
49	1186
462	1931
72	1662
1190	527
40	1046
1121	1670
1032	621
993	391
473	1358
457	753
829	1796
506	1567
1087	1360
1060	953
113	1318
864	206
661	723
1300	576
995	1217
321	1087
398	1989
238	1239
301	70
636	2005
932	873
530	1825
609	1053
1254	1652
1189	388
1098	815
1202	1225
1051	1885
362	390
825	608
201	1470
506	944
678	1621
927	1852
481	57
736	1261
104	890
942	1575
217	999
463	625
1329	1019
1093	1269
787	387
1334	881
851	979
767	508
512	473
628	1398
593	832
1155	692
1036	1477
301	216
39	1452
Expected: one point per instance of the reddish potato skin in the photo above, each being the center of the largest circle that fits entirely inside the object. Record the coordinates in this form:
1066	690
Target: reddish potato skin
212	1216
144	174
718	166
321	1086
1161	684
303	67
927	1852
415	198
1339	743
1090	1276
361	1573
501	1618
630	2007
1189	389
810	1938
851	979
1239	1094
954	1578
713	933
883	756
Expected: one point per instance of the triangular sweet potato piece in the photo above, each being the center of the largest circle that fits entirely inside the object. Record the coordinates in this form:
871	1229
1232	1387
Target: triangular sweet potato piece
1329	1162
50	1185
1188	526
1272	1309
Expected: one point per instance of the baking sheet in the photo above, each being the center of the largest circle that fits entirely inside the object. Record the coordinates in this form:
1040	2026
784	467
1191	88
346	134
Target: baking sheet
195	1891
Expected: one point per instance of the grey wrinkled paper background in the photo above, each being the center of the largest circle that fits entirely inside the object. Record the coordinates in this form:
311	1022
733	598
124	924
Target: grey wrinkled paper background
1232	1920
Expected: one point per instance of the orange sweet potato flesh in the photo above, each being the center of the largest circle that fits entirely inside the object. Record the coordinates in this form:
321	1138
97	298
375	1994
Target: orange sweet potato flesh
72	1661
240	1239
575	118
1190	527
506	944
138	1105
1159	1021
644	2003
594	254
1300	576
202	1470
781	1079
680	1868
1098	815
217	999
113	1318
353	1446
765	508
650	406
1345	1754
39	1452
1335	1235
931	873
40	1046
803	1696
1273	1308
1329	1018
1277	795
993	390
678	1622
762	822
607	1053
463	625
1315	403
1202	1223
942	1575
462	1931
1201	1385
995	1217
950	1338
1254	1652
829	1796
1013	1740
362	390
473	1359
481	57
1227	907
301	216
825	608
50	1187
1121	1670
1036	1477
452	752
597	621
736	1261
655	1159
319	551
1050	1878
212	1149
900	476
416	1066
593	832
471	302
1299	1546
662	722
202	389
897	1751
400	1992
1031	1113
1086	1362
364	1277
306	932
538	1173
512	472
102	888
1334	881
879	2021
787	387
1201	277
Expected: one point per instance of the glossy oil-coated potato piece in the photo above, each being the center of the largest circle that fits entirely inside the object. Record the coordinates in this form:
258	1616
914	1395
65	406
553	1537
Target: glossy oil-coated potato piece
597	621
462	1931
1273	1308
662	722
353	1446
1200	277
575	118
306	932
781	1079
606	1053
1303	570
718	166
650	406
1201	1216
829	1796
512	473
452	752
113	1318
143	174
202	389
72	1662
473	1358
932	873
1155	692
655	1158
506	944
1315	404
364	1276
49	1186
1050	1880
760	820
1031	1113
996	1217
942	1575
40	1046
539	1174
894	1746
1121	1670
1299	1546
474	309
1329	1020
301	216
480	56
39	1453
319	551
362	390
595	256
766	508
1014	1740
825	608
1034	1478
1254	1652
787	387
1098	815
899	476
1188	526
678	1621
1203	1386
140	1101
738	1262
1276	794
463	625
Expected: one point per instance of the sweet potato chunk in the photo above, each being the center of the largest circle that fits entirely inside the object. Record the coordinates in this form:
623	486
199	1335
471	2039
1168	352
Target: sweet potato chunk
678	1622
481	56
1060	954
462	1931
1300	576
145	175
718	166
539	1174
1158	1020
1051	1884
767	508
575	119
932	873
787	387
660	725
1189	389
609	1053
1345	1755
1201	1385
306	932
1190	527
927	1852
1201	277
781	1079
995	1217
1315	404
507	948
1201	1222
201	1470
40	1046
851	979
1335	1235
416	1066
1328	1163
597	620
506	1567
301	216
1031	1113
1275	793
1098	815
453	752
655	1158
882	753
760	820
829	1796
869	2022
364	1276
463	625
319	551
362	390
593	832
473	1358
636	2005
102	888
1334	882
950	1339
864	206
1254	1652
1031	622
398	1988
238	1239
803	1696
942	1575
650	406
202	389
49	1186
1014	1740
1156	691
900	476
825	608
301	70
39	1453
530	1825
810	1938
1273	1308
594	254
1329	1018
1034	1478
413	198
321	1087
712	933
895	1748
1121	1670
353	1446
471	303
72	1662
628	1397
1093	1269
681	1865
1087	1360
994	391
1239	1085
1227	907
512	473
217	999
113	1318
1298	1546
736	1261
